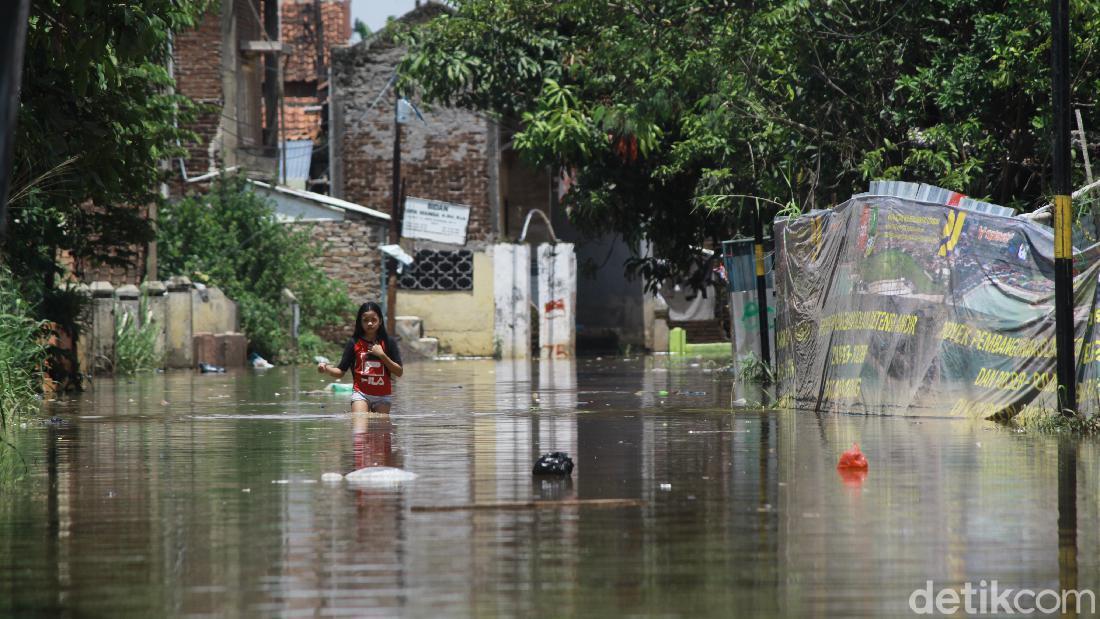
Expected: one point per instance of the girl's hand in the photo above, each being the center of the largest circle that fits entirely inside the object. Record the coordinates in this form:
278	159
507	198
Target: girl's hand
322	368
377	351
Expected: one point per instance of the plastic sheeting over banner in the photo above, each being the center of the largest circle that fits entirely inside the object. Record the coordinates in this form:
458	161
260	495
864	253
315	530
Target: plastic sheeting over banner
895	306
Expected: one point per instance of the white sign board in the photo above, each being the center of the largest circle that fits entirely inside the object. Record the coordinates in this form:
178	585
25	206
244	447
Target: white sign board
435	221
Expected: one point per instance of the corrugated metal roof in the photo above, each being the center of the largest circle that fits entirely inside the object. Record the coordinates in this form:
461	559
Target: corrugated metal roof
320	198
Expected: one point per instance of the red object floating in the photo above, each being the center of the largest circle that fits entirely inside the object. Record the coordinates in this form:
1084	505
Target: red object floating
852	459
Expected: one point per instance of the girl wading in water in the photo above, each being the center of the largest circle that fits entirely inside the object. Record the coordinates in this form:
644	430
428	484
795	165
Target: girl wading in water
374	360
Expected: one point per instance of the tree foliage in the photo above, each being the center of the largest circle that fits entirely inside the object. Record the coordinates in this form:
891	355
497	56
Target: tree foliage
97	117
230	238
670	114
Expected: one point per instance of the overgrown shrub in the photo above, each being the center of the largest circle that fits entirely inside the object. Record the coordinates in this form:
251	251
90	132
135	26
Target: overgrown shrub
22	351
230	238
136	344
311	345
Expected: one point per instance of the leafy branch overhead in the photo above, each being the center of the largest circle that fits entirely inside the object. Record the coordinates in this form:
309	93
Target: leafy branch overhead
97	118
666	114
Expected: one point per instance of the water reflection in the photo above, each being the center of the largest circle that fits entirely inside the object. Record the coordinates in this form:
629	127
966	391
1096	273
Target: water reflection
198	495
1067	518
373	440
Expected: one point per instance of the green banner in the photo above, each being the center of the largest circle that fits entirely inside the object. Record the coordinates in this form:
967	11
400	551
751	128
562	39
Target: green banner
896	306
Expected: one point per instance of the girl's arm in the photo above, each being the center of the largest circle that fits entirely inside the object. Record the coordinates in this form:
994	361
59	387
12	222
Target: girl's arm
331	370
391	365
346	360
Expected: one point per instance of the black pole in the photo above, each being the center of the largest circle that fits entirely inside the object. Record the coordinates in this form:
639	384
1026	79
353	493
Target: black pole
13	33
761	287
1063	210
395	209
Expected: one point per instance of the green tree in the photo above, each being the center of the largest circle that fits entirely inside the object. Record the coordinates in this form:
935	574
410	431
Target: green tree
362	29
230	238
96	119
670	114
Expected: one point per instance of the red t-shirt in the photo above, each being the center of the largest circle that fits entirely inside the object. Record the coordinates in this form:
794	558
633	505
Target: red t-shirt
370	375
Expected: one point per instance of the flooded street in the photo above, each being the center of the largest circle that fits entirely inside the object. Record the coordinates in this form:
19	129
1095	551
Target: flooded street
195	495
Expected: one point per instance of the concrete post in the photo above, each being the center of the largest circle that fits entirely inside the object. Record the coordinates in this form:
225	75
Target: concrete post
177	324
156	297
660	324
103	326
557	274
84	357
512	300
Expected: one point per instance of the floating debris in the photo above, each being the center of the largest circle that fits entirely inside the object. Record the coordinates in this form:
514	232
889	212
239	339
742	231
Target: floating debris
380	475
852	459
557	463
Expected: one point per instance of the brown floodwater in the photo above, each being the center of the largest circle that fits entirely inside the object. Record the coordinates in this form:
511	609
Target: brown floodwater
192	495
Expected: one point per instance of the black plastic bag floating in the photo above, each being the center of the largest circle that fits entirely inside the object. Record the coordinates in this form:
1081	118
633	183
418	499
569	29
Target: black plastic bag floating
557	463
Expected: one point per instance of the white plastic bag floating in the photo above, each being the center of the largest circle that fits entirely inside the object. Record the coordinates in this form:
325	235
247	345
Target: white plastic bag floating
380	476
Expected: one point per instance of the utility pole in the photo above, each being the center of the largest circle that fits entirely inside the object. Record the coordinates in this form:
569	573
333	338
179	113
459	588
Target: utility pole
761	287
13	33
395	216
1063	210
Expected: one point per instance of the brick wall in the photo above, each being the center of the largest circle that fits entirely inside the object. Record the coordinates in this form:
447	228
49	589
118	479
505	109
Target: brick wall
351	253
445	159
299	31
131	273
198	63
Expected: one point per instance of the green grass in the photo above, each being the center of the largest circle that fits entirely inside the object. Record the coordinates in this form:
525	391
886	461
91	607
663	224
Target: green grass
22	352
753	370
136	341
1077	425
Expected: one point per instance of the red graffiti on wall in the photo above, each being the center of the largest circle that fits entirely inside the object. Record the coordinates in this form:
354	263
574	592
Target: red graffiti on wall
556	304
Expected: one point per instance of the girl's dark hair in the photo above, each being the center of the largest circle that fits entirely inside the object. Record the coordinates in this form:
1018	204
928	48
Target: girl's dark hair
370	306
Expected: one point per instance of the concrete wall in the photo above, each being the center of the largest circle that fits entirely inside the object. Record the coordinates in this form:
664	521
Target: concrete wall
463	321
180	311
512	301
177	329
213	312
557	305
